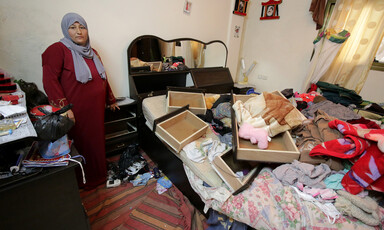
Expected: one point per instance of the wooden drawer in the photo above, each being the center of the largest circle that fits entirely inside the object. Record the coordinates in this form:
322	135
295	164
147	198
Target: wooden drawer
125	112
119	128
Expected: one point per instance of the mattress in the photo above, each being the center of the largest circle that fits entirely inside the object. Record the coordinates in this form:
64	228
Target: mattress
155	107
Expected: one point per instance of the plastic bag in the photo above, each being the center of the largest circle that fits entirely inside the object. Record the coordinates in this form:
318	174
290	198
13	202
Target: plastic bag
34	96
53	126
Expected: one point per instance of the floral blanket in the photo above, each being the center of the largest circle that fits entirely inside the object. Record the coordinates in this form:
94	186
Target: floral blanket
268	204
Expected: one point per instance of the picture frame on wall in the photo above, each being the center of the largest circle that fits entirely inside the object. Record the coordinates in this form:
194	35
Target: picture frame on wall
270	10
241	7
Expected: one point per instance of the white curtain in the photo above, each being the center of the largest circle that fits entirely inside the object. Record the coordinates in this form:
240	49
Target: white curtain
364	20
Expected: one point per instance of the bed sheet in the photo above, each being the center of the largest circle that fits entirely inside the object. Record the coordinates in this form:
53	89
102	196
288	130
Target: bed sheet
155	107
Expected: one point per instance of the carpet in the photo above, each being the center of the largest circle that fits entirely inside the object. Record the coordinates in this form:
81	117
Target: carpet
140	207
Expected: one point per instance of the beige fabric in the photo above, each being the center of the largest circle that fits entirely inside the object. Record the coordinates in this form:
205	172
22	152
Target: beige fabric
364	19
271	112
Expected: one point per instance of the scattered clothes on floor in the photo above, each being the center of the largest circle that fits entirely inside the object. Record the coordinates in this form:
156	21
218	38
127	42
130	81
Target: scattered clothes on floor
131	163
219	221
163	184
141	179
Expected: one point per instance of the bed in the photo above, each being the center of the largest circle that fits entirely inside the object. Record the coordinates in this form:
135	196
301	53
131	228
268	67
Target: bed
265	204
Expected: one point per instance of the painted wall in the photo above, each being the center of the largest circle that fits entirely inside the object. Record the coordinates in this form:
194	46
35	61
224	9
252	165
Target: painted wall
27	28
373	87
281	48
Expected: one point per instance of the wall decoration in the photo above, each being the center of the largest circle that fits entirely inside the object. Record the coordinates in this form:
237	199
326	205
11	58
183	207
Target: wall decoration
241	7
187	7
270	10
237	31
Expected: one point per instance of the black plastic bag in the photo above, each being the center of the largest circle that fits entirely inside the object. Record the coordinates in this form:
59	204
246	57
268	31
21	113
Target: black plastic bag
34	96
52	126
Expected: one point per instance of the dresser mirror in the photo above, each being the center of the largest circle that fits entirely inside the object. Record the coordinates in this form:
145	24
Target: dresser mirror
149	53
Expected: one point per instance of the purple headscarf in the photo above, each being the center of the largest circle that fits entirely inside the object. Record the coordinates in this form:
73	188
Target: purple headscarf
82	72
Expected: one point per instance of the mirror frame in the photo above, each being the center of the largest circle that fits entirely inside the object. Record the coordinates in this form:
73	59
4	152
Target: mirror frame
173	40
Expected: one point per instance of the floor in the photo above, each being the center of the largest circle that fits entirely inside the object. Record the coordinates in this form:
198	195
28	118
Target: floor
140	207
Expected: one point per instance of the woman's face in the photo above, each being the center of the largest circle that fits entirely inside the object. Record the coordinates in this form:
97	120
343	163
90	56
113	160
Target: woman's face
78	34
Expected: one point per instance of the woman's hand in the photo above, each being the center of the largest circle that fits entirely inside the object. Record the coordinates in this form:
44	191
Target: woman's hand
114	106
71	115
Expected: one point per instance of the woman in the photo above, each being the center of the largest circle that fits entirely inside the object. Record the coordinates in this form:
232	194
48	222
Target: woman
73	74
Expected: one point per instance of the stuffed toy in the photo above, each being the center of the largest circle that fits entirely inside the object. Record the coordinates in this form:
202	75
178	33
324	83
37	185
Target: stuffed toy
209	100
257	136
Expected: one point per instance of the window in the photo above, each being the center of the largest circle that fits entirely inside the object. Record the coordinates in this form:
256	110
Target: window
378	63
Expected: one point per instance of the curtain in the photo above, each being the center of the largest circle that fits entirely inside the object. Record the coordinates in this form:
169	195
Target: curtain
198	54
326	46
364	20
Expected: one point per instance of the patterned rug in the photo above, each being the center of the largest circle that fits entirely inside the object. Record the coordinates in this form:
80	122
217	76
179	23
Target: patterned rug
140	207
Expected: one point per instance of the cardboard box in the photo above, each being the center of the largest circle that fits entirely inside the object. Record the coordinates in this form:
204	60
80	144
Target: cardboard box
179	128
281	149
226	167
196	101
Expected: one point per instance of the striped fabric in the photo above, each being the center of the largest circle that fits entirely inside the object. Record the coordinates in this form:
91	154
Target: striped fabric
141	207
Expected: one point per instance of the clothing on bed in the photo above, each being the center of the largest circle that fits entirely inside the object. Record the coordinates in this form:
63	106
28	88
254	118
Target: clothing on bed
359	145
268	204
338	111
307	174
314	132
272	112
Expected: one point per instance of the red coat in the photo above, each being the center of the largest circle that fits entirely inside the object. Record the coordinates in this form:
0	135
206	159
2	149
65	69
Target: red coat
89	101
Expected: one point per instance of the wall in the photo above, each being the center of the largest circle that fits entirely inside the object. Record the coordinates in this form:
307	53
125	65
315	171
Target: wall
281	48
373	87
27	28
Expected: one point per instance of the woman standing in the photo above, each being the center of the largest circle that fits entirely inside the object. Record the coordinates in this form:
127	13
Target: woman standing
74	74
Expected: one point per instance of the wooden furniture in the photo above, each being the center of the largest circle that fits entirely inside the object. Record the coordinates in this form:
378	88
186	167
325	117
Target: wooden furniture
213	77
121	127
47	199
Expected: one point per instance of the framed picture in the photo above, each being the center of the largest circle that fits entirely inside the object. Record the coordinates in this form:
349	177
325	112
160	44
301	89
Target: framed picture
241	7
270	10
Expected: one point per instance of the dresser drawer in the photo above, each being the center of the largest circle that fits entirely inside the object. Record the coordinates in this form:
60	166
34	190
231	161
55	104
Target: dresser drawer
125	112
119	128
120	142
